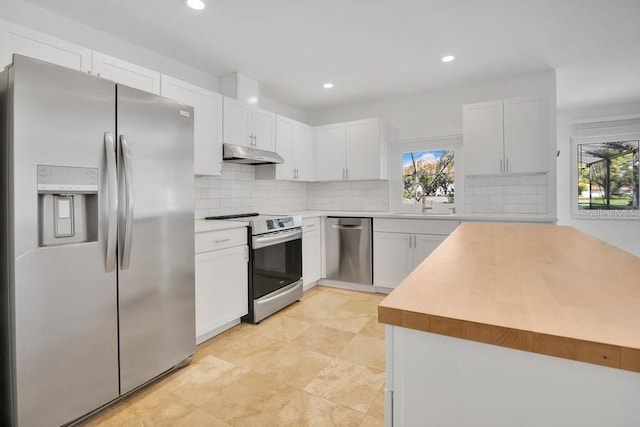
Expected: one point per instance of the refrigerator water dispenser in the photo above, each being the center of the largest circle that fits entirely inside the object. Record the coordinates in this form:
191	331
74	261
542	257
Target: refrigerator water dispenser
67	205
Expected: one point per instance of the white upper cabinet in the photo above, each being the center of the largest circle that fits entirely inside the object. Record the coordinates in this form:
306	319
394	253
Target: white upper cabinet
248	126
24	41
351	151
294	143
483	137
284	147
304	152
207	122
125	73
506	136
526	142
236	128
331	143
364	150
264	129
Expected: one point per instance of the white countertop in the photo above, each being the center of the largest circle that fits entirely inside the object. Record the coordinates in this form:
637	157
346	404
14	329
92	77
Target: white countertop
204	225
456	217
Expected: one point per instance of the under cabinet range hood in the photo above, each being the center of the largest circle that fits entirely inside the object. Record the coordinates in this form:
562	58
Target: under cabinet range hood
249	156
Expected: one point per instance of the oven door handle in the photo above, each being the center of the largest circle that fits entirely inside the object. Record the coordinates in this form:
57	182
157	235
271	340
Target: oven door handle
264	241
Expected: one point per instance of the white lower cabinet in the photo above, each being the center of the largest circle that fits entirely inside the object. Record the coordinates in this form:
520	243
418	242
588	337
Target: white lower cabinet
221	281
400	245
311	252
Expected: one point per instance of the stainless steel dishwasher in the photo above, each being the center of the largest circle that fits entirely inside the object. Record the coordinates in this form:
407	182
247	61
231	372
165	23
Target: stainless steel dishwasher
348	247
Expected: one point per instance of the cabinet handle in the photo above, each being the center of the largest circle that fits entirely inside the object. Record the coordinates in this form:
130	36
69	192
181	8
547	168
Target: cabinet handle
347	173
409	242
507	167
415	242
501	166
221	240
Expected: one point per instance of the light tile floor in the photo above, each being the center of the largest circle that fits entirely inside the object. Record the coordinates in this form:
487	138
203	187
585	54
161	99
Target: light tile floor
319	362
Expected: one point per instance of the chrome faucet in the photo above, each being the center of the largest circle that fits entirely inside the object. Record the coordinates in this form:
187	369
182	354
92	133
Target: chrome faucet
414	189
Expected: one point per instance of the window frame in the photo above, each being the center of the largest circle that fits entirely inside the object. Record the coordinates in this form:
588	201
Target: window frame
603	214
397	148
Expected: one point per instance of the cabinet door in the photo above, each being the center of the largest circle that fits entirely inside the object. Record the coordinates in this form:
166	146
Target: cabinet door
526	142
264	129
125	73
207	123
26	42
424	245
330	152
284	147
304	152
235	118
363	150
392	258
483	138
311	256
221	289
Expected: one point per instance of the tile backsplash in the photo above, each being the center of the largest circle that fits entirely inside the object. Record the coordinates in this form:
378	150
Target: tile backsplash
508	194
348	196
237	191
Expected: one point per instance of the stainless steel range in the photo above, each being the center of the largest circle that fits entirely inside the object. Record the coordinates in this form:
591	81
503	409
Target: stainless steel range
275	262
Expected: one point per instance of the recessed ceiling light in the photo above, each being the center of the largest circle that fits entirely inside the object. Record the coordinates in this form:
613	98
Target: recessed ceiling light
195	4
252	100
448	58
327	85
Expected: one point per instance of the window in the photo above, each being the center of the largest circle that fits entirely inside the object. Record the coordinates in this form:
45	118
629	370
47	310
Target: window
606	177
424	169
434	170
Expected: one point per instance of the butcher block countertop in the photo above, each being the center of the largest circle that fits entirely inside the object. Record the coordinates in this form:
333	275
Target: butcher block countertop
545	289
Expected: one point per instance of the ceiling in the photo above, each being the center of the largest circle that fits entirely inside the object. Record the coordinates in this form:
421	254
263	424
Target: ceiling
377	49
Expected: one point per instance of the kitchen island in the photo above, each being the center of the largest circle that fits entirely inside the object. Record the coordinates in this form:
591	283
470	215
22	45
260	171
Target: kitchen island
508	324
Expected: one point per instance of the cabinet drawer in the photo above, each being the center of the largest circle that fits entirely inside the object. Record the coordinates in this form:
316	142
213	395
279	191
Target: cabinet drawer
214	240
310	224
415	226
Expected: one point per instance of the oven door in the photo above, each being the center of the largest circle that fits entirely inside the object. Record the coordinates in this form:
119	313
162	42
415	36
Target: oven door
277	261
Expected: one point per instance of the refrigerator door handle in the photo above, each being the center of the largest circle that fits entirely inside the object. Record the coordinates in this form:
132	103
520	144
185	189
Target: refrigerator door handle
112	217
128	222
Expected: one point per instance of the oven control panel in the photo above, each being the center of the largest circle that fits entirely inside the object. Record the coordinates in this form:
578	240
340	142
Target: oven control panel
279	223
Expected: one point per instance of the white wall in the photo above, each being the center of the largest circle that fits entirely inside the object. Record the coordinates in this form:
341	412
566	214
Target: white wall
624	234
283	109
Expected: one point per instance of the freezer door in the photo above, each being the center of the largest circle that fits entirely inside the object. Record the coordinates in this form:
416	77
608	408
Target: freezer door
62	299
156	235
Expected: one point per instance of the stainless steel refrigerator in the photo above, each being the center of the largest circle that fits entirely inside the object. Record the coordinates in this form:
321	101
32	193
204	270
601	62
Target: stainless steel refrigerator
97	241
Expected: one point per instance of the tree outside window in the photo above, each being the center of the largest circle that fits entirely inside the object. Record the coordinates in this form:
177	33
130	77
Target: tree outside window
434	170
608	176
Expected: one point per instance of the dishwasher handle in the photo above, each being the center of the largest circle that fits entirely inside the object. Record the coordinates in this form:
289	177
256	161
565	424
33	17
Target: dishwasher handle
346	227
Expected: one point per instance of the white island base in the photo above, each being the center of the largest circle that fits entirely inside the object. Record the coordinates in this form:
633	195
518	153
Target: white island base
440	381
